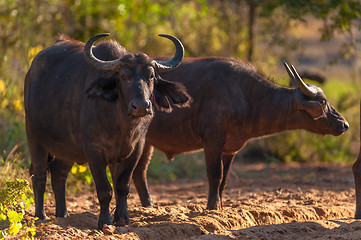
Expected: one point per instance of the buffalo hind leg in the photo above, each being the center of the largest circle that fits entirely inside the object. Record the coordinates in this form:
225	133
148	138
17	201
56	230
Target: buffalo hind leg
97	166
38	176
227	163
122	184
213	156
356	168
59	172
140	176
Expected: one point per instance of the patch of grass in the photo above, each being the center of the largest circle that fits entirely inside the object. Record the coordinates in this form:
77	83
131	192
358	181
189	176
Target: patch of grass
12	166
255	175
183	166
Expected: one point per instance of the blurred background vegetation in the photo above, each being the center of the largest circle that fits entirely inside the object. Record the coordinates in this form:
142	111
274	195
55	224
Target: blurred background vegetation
321	36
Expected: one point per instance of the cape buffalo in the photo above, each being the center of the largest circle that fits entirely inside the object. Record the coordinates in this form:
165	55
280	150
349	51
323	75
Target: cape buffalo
232	104
357	175
82	109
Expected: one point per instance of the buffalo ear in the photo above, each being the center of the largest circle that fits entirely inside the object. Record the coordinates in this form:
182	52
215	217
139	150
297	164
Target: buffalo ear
313	108
105	88
168	93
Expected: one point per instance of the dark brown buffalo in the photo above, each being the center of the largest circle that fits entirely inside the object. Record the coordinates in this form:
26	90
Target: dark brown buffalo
232	104
357	175
82	109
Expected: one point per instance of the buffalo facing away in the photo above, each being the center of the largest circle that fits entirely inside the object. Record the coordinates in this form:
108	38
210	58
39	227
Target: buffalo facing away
232	104
96	108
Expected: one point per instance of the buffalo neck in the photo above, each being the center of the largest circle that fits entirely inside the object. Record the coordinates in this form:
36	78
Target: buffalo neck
272	111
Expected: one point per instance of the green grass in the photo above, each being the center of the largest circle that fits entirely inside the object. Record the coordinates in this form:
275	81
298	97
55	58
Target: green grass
183	166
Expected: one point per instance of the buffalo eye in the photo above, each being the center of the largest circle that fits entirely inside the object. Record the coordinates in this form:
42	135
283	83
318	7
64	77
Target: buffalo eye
149	74
124	77
151	77
324	102
125	74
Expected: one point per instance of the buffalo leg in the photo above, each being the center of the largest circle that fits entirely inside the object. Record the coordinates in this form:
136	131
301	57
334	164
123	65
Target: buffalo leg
97	167
213	156
227	162
59	172
122	185
38	175
356	168
140	176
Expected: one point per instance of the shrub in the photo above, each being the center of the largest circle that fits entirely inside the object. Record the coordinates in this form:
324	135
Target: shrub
15	197
14	201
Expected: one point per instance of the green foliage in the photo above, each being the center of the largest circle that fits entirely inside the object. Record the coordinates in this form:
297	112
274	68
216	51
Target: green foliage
80	174
340	13
14	201
338	16
303	146
183	166
12	130
15	196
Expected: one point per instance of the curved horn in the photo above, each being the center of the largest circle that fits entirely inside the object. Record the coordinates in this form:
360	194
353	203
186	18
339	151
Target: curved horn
290	73
165	66
95	62
302	85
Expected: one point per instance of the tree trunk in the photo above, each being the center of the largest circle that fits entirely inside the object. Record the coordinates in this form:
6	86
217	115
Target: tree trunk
251	24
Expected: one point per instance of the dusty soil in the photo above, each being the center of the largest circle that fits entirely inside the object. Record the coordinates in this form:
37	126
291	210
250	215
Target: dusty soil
261	201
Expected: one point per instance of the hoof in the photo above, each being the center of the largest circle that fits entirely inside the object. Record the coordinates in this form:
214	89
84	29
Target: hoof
147	203
63	215
121	222
104	220
216	206
41	216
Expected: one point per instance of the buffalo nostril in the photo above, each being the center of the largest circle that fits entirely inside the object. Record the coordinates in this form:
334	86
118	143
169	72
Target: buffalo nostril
140	108
134	106
346	125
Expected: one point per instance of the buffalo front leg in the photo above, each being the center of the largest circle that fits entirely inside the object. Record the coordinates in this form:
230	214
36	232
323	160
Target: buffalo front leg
356	168
59	173
213	156
227	163
122	184
140	176
38	175
97	165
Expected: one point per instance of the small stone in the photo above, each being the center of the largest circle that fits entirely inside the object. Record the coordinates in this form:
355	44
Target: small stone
108	229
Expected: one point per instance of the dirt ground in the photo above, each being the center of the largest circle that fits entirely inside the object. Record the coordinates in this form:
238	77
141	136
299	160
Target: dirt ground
261	201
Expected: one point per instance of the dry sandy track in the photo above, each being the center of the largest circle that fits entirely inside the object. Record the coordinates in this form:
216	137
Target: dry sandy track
261	202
